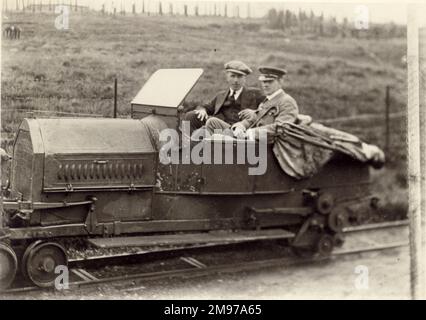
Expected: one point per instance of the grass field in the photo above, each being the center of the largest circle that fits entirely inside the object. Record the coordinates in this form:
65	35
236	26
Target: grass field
328	77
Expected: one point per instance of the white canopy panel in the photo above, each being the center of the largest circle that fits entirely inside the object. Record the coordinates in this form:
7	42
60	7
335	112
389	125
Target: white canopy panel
167	87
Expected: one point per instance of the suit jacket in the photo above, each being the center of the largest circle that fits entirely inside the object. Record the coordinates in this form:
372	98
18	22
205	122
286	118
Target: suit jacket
280	109
249	98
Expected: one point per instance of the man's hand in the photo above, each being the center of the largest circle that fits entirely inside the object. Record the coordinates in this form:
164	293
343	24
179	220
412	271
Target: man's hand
4	156
202	114
238	130
247	114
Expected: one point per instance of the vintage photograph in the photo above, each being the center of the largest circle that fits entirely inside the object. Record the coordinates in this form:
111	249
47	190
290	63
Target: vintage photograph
158	149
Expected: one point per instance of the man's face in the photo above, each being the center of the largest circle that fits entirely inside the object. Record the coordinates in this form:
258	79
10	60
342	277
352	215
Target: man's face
235	80
270	86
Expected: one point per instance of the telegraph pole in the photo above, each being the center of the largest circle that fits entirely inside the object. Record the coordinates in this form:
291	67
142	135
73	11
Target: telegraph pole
414	156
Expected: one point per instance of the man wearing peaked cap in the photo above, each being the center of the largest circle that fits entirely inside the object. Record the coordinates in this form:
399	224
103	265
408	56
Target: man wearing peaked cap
229	106
277	108
270	73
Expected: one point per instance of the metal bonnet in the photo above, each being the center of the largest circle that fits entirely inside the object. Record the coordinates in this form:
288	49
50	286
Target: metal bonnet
94	135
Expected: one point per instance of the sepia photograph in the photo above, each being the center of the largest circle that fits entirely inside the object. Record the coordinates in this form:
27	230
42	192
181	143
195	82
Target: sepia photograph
213	150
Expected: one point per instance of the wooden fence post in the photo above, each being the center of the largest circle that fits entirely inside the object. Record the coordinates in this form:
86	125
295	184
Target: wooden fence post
387	125
115	98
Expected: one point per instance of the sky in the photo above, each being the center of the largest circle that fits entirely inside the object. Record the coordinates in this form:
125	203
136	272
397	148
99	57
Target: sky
379	11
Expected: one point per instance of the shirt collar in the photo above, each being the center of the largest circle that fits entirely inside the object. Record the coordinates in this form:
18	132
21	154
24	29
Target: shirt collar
274	94
237	93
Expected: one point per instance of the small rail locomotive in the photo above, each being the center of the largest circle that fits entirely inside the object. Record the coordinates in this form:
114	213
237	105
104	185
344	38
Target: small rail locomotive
100	180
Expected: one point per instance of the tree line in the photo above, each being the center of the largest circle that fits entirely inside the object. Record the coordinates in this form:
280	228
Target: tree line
311	24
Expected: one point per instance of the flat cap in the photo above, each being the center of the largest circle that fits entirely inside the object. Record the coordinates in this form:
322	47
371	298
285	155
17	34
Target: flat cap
271	73
237	67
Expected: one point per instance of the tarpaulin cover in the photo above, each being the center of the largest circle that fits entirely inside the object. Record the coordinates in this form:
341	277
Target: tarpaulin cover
303	149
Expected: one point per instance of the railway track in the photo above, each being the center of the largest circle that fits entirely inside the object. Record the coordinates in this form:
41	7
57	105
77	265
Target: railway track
195	268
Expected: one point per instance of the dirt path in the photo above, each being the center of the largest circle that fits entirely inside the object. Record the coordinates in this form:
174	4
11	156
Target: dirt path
388	278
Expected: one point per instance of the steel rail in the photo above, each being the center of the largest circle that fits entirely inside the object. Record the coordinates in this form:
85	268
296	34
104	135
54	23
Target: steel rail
192	272
376	226
347	230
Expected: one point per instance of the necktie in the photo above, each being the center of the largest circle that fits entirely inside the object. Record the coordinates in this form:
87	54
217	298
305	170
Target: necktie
232	96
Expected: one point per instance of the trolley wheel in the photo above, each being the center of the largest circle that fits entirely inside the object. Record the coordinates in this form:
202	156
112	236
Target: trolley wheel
339	239
325	245
42	259
8	266
322	247
325	203
336	221
25	258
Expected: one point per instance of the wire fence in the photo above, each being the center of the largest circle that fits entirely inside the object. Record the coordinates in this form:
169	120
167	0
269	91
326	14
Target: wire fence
52	112
363	117
58	97
19	106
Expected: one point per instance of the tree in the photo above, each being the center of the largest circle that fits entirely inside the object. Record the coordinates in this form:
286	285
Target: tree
344	27
272	18
294	21
301	22
287	22
280	20
311	21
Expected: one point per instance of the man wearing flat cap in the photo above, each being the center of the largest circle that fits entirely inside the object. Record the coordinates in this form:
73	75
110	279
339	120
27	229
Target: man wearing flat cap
277	108
228	106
